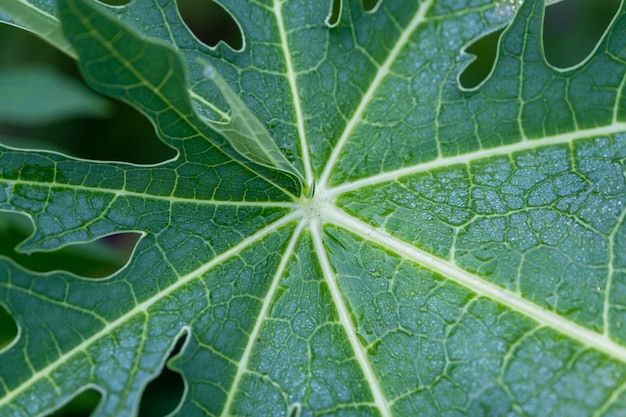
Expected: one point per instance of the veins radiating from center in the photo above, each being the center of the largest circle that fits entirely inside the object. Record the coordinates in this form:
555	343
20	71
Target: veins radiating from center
314	205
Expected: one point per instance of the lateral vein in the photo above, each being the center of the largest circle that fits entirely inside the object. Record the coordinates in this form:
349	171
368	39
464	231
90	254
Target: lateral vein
471	156
483	288
383	71
146	196
344	317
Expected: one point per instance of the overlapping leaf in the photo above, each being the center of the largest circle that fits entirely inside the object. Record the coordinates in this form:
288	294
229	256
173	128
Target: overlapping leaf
463	252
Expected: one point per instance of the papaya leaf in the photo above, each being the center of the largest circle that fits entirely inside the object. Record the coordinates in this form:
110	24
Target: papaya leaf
345	230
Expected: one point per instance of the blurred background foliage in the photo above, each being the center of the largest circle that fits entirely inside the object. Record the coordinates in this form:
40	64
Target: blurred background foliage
46	105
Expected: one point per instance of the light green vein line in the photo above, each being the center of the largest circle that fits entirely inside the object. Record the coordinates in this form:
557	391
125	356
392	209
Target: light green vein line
609	130
13	5
135	368
151	197
224	116
510	355
613	247
344	316
121	192
47	371
291	77
383	71
49	300
267	302
483	288
614	398
520	84
619	96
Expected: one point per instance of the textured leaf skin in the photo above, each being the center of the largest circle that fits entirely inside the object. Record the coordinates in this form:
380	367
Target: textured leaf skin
245	133
462	255
148	75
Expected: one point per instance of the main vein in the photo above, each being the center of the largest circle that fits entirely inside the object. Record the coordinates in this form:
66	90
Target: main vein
291	77
383	71
479	154
346	321
155	197
267	301
145	305
483	288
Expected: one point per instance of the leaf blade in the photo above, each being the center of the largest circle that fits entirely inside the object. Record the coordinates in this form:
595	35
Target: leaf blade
151	76
487	280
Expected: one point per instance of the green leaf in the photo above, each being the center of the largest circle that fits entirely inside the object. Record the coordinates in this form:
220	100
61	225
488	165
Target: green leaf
461	252
151	76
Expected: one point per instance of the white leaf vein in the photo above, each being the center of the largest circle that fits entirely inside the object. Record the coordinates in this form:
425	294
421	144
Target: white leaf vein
479	286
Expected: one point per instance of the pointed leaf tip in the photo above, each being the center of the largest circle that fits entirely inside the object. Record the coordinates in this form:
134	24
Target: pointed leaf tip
244	132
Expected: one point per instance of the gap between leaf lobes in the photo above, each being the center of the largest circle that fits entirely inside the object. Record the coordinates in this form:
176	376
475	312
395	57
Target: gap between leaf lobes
210	23
165	392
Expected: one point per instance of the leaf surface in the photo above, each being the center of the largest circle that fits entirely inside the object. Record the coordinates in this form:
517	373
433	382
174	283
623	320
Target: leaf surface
461	253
